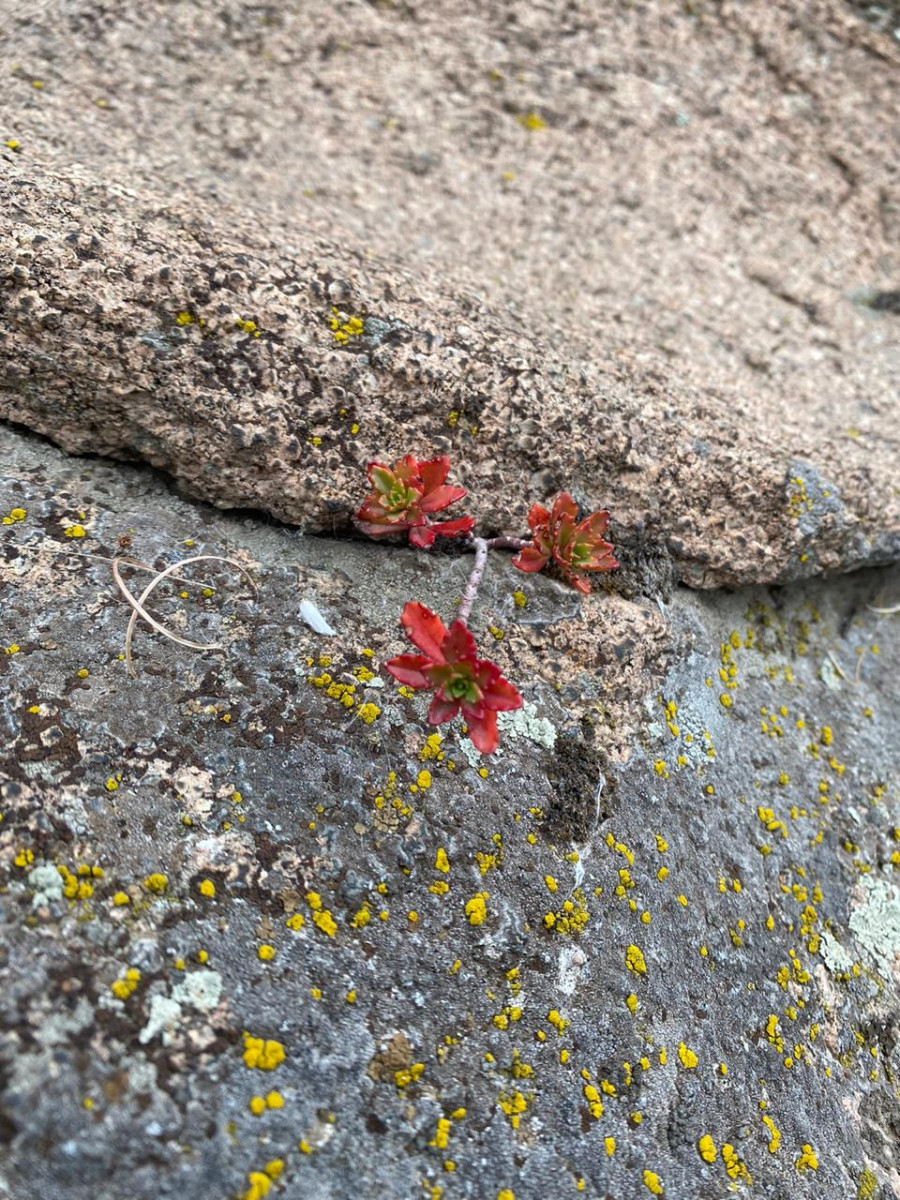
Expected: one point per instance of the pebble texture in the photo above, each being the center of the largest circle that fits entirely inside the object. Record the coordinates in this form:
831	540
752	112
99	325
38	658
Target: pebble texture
259	933
652	258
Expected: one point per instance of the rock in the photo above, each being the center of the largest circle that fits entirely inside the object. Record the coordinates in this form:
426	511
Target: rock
650	268
682	981
262	929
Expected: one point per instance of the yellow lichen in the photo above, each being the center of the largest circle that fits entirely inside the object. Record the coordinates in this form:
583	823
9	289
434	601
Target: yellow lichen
263	1054
634	960
559	1023
123	988
343	329
531	121
260	1186
513	1104
407	1075
774	1132
707	1148
441	1138
688	1058
476	908
807	1159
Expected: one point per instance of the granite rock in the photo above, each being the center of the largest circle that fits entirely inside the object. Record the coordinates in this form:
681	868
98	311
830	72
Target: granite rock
667	968
649	257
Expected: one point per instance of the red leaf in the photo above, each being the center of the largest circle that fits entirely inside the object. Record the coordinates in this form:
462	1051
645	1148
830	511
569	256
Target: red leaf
501	696
483	733
424	629
592	528
422	536
578	582
442	710
441	497
530	559
410	669
459	645
563	506
407	469
600	560
381	528
455	528
433	472
537	515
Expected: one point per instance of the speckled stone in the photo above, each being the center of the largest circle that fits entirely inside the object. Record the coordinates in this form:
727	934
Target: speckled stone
646	253
731	773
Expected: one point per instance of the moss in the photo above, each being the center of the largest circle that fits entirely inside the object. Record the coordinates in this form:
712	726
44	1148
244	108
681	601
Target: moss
576	773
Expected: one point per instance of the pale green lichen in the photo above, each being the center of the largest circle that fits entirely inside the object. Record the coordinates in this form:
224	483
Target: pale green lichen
200	989
163	1020
836	958
876	922
525	722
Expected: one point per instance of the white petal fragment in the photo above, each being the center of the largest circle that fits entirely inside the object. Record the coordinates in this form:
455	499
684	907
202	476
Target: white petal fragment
315	620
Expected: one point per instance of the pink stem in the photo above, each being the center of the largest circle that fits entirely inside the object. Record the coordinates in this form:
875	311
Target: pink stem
482	545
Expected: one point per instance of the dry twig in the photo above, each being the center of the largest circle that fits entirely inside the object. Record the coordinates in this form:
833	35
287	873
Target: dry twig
138	610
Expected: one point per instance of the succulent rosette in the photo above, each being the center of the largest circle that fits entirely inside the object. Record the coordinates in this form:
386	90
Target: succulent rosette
462	683
405	496
403	500
574	546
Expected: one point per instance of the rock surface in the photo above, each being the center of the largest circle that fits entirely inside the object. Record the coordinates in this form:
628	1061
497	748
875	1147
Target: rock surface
261	934
554	974
681	226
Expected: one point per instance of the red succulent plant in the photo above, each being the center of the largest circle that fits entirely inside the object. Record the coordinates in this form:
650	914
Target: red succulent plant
449	667
404	498
573	547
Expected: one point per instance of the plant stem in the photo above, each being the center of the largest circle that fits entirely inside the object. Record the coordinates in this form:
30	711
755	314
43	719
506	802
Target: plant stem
508	543
481	547
481	553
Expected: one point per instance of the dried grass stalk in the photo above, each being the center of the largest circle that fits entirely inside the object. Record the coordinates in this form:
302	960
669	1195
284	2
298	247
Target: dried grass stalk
138	609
